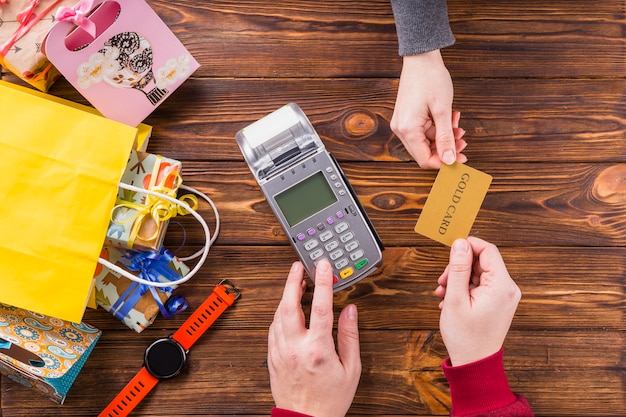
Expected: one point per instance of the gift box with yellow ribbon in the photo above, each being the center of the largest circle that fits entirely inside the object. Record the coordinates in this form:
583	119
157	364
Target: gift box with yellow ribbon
138	305
23	26
139	220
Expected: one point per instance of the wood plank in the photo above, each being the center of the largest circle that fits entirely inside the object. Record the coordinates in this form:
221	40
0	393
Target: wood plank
536	39
526	120
338	39
222	380
527	204
249	39
555	282
246	39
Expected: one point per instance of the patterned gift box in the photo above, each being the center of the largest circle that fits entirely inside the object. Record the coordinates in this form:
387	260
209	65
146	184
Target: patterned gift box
23	26
42	352
139	220
138	305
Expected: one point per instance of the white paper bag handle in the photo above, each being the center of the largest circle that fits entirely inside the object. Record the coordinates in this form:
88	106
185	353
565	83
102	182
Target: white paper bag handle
202	253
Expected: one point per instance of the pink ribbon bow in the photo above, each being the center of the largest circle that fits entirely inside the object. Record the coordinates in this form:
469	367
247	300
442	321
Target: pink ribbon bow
27	14
78	16
26	19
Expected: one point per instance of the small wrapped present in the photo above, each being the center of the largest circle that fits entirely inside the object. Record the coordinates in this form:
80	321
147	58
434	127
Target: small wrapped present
42	352
138	305
23	26
139	220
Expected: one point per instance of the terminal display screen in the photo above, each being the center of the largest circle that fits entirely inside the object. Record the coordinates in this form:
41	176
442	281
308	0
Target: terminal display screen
305	198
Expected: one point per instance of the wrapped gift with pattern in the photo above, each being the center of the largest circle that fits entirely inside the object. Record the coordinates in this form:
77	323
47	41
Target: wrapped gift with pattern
42	352
138	305
139	220
23	26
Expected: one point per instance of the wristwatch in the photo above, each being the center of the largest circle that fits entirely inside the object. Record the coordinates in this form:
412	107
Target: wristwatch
165	357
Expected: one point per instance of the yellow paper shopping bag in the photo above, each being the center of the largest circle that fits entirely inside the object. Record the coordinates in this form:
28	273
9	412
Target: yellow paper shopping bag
61	169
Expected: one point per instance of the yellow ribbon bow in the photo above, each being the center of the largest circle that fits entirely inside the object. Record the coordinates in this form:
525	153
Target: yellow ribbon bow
156	208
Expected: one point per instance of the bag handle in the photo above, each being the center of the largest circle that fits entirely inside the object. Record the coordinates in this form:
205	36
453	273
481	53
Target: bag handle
202	253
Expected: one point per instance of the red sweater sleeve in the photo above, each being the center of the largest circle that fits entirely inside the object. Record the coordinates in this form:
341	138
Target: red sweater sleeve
281	412
481	388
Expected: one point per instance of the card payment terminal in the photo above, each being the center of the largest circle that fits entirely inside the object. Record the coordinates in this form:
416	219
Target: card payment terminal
310	195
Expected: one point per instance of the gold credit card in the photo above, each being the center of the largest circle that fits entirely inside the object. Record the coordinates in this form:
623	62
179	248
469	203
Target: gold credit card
453	203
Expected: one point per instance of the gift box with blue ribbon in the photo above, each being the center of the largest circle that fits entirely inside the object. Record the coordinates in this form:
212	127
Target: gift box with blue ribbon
138	305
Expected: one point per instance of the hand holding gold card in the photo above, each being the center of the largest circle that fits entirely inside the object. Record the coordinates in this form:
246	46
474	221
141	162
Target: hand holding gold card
453	203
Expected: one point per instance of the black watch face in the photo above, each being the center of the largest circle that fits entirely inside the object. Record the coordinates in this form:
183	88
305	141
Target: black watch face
164	358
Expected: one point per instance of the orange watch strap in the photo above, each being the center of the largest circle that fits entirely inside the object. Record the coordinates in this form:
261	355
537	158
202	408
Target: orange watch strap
199	322
222	297
132	394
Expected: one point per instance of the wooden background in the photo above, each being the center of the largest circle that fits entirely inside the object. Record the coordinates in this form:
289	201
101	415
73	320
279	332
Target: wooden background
541	90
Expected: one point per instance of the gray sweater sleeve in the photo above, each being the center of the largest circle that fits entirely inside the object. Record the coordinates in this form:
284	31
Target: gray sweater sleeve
422	25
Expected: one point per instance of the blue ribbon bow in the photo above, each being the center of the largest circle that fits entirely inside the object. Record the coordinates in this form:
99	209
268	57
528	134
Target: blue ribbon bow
151	266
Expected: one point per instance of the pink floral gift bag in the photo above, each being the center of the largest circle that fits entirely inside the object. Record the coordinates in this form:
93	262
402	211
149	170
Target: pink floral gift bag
119	55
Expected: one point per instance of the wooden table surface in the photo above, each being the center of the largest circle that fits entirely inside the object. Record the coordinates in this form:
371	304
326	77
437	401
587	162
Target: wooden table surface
541	90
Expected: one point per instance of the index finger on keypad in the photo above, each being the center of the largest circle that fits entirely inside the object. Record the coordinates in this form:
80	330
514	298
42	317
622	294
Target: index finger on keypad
321	321
289	312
